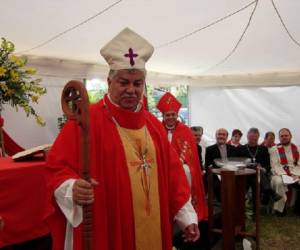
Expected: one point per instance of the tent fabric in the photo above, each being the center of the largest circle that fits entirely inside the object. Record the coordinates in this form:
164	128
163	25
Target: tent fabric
10	146
265	66
70	69
267	108
266	47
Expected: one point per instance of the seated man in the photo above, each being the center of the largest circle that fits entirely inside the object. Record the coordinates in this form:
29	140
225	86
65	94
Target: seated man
269	140
220	150
236	137
284	163
259	156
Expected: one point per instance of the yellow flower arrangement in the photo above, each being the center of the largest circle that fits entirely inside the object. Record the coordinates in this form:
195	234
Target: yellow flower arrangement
30	71
17	86
34	98
14	75
18	60
2	71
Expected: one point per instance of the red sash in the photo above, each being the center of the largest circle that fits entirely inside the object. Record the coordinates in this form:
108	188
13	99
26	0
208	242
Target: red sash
283	158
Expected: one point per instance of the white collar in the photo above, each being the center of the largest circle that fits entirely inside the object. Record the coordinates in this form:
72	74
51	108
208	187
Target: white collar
170	128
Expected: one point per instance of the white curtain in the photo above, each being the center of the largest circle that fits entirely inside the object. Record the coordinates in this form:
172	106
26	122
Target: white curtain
267	108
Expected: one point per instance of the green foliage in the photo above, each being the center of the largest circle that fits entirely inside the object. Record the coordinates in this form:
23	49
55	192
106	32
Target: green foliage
17	86
96	95
61	121
154	94
181	94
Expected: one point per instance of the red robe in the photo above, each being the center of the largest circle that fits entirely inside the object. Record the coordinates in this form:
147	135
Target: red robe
181	136
113	226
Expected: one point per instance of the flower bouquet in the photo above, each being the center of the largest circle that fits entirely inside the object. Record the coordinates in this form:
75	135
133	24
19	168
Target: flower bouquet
18	88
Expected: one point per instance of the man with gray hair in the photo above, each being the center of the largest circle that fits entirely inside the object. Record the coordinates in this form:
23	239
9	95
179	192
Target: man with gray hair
220	150
259	157
138	186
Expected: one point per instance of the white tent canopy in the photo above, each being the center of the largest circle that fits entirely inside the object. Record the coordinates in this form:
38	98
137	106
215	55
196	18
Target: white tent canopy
266	56
265	48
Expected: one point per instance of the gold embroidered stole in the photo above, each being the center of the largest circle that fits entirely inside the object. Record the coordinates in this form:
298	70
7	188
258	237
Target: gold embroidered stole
144	188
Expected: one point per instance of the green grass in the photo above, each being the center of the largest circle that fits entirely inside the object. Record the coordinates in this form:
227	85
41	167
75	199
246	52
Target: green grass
276	233
280	233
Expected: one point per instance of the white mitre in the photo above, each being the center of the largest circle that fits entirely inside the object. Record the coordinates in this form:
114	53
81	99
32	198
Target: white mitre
127	50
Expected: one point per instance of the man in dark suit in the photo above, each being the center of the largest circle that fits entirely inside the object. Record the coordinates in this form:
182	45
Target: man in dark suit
198	132
220	150
260	157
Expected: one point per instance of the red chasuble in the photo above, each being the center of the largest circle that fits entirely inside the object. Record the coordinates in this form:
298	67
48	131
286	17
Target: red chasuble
184	143
113	210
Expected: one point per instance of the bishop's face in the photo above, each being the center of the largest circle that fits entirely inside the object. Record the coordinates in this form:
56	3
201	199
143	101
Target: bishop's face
170	118
126	88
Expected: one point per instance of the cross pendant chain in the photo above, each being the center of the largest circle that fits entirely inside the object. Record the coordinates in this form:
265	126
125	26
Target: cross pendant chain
145	166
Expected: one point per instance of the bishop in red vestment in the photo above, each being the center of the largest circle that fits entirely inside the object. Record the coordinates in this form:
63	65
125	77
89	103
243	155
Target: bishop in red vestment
138	187
183	141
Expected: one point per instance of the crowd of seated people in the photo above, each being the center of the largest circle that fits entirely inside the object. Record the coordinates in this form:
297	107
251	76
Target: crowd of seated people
279	163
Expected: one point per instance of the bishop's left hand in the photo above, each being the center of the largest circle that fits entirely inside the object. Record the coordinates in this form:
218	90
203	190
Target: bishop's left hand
191	233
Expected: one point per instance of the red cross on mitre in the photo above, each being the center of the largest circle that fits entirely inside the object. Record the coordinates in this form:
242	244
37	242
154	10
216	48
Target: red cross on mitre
131	55
168	102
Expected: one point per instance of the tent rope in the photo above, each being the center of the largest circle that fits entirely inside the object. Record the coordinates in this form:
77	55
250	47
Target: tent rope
284	25
205	27
71	28
238	42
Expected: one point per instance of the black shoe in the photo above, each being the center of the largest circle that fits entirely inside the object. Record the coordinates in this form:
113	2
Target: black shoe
275	196
280	214
265	199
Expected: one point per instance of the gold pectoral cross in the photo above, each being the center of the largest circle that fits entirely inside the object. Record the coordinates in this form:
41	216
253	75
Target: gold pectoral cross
144	167
145	180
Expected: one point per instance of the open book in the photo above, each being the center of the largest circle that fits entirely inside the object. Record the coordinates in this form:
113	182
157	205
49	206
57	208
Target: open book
32	152
287	180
